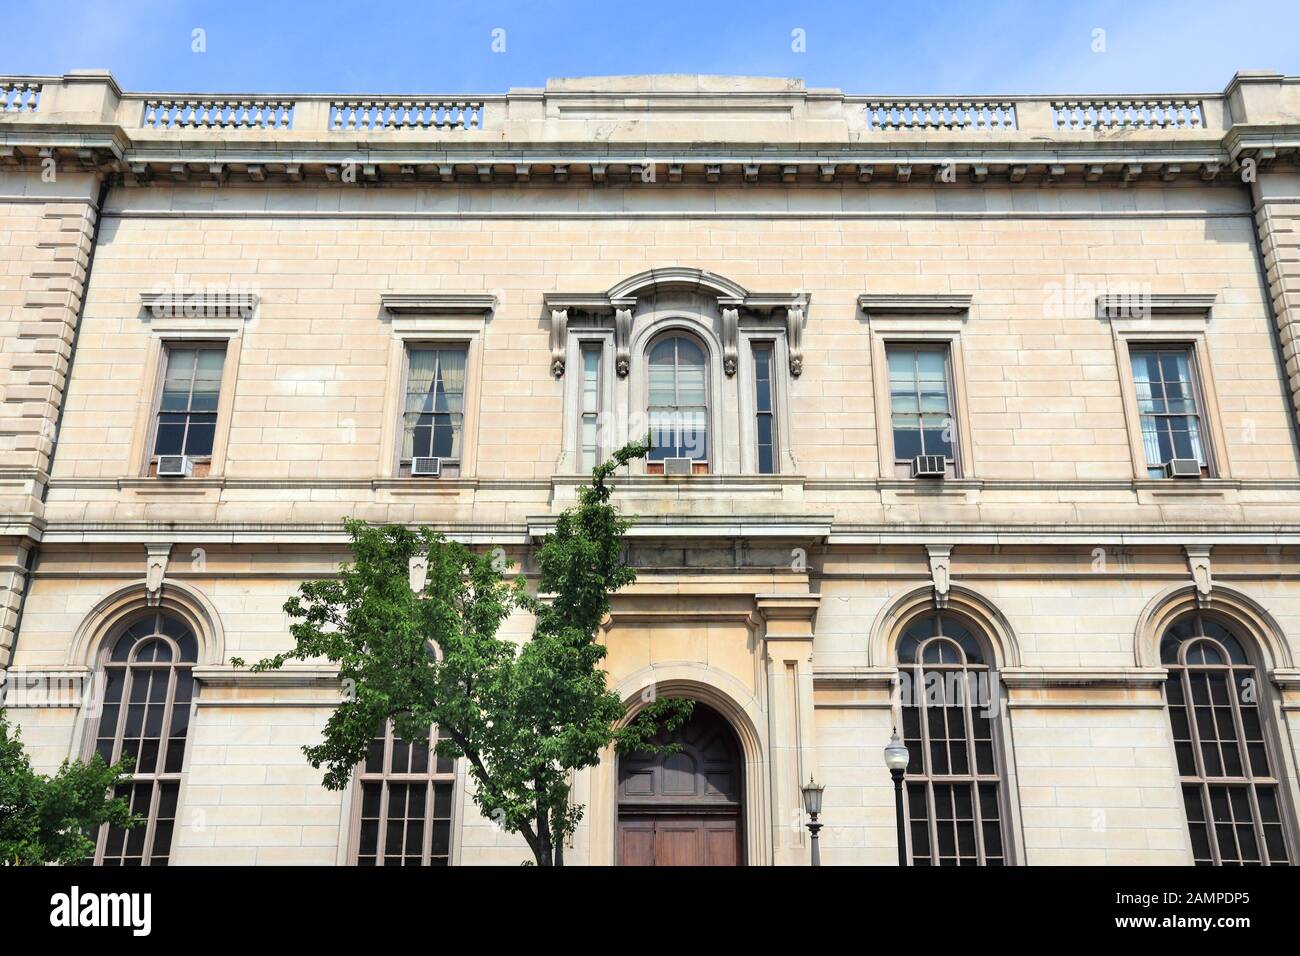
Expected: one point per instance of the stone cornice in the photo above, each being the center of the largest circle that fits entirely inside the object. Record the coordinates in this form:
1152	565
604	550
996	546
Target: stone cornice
1121	305
846	678
650	130
913	303
291	675
816	528
1117	678
438	303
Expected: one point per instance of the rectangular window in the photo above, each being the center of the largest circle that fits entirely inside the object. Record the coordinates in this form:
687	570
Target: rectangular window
589	425
407	791
921	405
433	420
187	410
1167	407
765	416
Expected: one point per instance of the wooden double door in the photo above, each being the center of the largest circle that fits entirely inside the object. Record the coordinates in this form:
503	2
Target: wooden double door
683	808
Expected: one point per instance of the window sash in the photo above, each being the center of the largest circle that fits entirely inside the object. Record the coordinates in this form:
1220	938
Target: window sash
433	415
1169	406
185	422
764	409
590	407
920	402
1198	712
924	786
116	846
678	407
437	778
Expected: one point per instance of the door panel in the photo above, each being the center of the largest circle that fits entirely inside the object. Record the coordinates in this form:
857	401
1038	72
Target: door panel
672	840
636	842
721	843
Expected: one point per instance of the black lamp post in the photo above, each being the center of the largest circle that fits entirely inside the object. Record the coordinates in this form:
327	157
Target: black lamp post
897	759
812	803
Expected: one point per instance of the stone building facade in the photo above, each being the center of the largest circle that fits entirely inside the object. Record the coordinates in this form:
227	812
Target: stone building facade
996	393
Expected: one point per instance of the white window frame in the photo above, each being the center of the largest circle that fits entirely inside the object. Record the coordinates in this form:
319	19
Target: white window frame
610	421
413	332
924	322
186	333
1170	333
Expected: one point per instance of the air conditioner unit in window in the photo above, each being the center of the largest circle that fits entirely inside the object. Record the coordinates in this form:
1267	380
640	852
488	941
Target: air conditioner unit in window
175	466
679	466
929	466
1183	468
426	467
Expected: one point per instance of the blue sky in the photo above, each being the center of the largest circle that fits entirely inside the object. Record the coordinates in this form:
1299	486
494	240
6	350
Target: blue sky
398	46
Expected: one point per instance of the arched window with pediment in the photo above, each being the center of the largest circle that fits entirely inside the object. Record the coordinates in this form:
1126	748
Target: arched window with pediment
148	688
1228	764
953	789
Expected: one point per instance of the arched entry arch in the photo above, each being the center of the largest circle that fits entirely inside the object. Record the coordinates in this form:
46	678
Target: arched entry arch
744	715
684	807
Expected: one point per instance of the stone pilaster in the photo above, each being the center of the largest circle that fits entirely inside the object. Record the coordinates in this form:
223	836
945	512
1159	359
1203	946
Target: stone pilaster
788	645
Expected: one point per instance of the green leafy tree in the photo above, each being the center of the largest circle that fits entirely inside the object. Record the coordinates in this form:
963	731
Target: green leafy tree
524	715
46	819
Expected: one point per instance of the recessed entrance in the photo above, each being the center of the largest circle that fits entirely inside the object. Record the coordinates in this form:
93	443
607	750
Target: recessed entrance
684	808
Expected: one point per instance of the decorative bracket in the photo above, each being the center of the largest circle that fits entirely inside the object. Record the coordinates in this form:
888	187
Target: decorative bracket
1198	560
795	318
418	571
559	340
155	570
730	340
622	341
940	556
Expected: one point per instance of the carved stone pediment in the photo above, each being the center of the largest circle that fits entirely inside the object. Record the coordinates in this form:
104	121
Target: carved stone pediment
734	304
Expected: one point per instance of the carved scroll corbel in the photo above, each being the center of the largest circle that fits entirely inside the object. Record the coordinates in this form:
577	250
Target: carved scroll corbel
622	341
1198	561
155	571
559	340
940	556
730	340
794	324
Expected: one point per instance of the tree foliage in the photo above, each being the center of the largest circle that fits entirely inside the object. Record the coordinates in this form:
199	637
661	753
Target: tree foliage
47	819
524	715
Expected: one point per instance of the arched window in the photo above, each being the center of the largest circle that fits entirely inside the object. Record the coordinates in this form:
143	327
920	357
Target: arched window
677	403
148	687
1228	776
953	789
403	815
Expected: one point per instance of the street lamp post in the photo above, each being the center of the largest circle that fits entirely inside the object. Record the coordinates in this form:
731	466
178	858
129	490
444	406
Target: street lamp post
897	759
812	804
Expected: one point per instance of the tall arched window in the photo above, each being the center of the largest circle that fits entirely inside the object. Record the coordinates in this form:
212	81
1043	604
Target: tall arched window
148	687
677	402
1228	775
404	808
952	790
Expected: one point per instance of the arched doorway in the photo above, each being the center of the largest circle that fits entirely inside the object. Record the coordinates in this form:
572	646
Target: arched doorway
684	808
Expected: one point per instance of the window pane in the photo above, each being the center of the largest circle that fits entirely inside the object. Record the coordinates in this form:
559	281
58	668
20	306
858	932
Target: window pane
199	437
171	434
907	443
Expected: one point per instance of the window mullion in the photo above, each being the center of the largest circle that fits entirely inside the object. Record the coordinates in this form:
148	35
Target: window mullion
151	823
973	767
